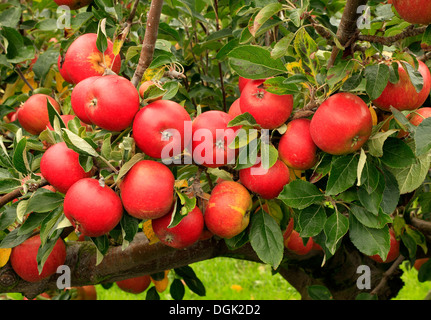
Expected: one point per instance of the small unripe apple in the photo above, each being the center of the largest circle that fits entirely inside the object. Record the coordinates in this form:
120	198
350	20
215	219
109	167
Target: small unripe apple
33	113
135	285
228	210
92	207
24	262
184	234
147	190
267	183
60	166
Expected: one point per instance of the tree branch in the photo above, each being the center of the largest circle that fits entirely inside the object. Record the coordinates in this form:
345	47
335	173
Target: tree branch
149	43
18	192
347	28
410	31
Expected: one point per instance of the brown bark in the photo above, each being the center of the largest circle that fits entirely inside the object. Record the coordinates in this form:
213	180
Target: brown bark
149	43
139	258
347	28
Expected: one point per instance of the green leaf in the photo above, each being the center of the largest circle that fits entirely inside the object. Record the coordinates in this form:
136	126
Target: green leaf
300	194
336	226
18	48
377	76
44	201
376	142
281	85
78	144
129	226
282	46
311	220
411	177
102	39
191	280
45	250
368	218
254	62
391	193
183	206
244	119
177	289
422	137
370	241
415	76
305	46
266	238
152	294
268	155
343	174
10	17
129	164
263	15
397	154
319	292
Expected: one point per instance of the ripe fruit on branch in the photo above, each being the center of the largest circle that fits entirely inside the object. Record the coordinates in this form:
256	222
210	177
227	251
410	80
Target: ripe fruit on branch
227	213
267	183
112	102
235	109
394	250
184	234
403	95
268	109
242	82
92	207
135	285
78	98
419	262
147	190
419	115
342	124
296	244
296	147
33	113
159	129
86	293
414	11
211	139
60	167
24	259
83	60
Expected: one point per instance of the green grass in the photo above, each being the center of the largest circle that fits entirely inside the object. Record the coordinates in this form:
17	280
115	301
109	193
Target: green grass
231	279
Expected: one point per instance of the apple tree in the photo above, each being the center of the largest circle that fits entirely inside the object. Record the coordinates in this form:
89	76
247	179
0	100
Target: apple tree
139	137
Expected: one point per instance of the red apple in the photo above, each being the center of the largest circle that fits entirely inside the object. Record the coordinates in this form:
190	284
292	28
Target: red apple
419	115
92	207
63	72
147	190
83	60
135	285
414	11
403	95
242	82
144	86
112	102
227	213
419	262
269	110
73	4
235	109
24	263
295	243
184	234
86	293
60	167
211	139
296	147
33	113
78	98
342	124
159	129
267	183
394	250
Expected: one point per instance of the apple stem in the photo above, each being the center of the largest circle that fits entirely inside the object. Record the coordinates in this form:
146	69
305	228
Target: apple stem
102	182
109	164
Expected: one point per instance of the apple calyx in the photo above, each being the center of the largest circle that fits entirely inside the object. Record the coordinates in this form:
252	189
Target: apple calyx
166	135
219	144
259	94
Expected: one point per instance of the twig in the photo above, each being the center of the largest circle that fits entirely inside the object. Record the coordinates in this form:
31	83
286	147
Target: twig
220	70
410	31
18	70
18	192
150	39
387	275
421	224
347	28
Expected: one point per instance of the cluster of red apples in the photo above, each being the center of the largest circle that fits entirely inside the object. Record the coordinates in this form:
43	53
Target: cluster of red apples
341	125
